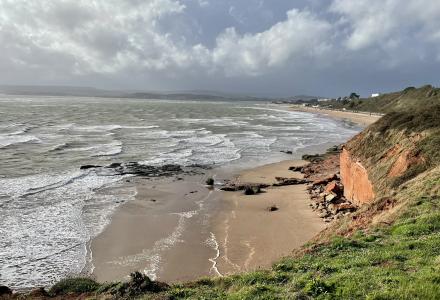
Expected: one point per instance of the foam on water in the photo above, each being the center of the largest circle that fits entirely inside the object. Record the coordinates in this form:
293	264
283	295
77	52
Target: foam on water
46	227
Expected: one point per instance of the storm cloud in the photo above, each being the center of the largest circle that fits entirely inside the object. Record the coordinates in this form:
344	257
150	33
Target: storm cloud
248	46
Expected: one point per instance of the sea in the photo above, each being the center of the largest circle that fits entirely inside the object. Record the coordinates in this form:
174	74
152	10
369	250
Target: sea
50	209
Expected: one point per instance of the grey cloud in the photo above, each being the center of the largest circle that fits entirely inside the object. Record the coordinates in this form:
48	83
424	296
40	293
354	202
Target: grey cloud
307	46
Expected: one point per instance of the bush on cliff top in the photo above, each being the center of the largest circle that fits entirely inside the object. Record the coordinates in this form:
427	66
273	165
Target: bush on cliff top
74	286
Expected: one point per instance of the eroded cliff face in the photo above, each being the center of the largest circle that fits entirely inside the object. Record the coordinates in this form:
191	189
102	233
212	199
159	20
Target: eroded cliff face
357	186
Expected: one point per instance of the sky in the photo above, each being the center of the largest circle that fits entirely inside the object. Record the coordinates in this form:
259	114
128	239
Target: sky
258	47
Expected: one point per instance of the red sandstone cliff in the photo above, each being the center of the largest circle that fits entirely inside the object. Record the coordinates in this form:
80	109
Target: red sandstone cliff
354	177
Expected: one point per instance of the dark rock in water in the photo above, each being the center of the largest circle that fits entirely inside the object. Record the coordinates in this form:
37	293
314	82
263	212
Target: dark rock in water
135	168
114	165
286	151
4	290
282	181
210	181
86	167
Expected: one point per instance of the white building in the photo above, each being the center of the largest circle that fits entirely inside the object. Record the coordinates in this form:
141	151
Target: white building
375	95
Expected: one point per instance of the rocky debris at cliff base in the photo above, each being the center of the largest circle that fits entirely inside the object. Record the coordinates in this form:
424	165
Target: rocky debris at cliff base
325	188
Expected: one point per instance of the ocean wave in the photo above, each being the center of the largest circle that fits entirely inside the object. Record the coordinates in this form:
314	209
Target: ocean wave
7	140
58	214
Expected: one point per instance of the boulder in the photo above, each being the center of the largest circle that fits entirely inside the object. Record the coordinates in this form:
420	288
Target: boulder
330	197
252	190
333	187
296	169
324	180
272	208
346	207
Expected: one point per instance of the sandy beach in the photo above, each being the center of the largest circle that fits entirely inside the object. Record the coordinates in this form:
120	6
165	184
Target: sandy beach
157	231
180	230
363	119
251	236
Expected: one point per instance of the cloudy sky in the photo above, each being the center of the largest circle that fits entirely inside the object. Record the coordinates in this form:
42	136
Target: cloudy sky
272	47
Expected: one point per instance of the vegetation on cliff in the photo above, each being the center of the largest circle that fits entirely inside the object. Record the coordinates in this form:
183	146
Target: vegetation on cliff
409	98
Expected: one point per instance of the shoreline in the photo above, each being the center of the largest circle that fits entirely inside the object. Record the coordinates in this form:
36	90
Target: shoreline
360	118
182	235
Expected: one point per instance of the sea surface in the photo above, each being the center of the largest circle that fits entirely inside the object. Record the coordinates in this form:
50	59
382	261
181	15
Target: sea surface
50	209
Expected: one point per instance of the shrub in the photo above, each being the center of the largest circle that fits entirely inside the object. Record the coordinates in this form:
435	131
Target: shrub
74	286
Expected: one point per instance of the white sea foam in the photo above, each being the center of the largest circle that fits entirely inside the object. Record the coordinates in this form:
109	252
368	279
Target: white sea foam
15	138
55	224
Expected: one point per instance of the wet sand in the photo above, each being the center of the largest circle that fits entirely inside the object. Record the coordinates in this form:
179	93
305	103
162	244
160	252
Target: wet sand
156	232
363	119
252	237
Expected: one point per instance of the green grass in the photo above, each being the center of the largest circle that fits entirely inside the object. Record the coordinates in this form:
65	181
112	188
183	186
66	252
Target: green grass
408	99
74	286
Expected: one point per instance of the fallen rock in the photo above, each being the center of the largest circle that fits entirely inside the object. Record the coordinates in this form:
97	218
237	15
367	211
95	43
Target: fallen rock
330	197
333	187
346	207
296	169
324	180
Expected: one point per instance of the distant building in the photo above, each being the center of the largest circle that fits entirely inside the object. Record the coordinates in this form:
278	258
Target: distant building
375	95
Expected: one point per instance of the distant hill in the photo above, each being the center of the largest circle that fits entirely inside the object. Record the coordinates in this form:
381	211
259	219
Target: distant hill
409	98
80	91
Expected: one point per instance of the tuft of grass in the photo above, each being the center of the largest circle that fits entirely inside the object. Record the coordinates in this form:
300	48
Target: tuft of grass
74	286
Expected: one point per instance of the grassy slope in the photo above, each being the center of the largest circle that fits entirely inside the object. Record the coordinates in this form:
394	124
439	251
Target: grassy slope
409	98
387	250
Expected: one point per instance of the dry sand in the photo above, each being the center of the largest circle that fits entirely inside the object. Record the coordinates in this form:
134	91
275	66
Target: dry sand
250	236
363	119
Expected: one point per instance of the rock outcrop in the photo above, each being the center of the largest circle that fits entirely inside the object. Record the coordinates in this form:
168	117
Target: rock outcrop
357	186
